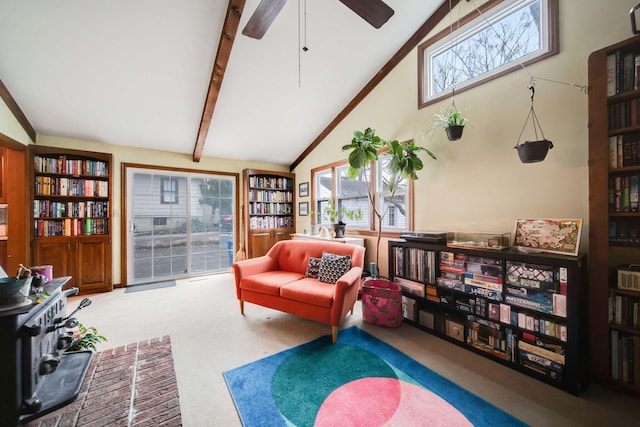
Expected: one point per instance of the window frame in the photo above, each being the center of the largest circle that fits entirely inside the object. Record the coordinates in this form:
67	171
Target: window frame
471	20
169	196
373	181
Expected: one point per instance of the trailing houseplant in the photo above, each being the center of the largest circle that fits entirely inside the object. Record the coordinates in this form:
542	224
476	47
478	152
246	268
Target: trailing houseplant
86	338
452	120
404	163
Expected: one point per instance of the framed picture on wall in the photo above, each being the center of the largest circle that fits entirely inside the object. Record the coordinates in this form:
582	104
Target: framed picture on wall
558	236
303	208
303	189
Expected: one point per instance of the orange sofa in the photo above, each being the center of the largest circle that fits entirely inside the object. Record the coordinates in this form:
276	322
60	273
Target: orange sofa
277	280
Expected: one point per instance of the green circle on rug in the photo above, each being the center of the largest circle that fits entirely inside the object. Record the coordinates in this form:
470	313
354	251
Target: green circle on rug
300	383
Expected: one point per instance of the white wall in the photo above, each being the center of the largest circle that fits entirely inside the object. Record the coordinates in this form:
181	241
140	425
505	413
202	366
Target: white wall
9	125
479	183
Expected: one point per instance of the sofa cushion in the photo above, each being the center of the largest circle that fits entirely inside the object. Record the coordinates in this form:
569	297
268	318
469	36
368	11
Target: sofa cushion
313	267
269	282
332	267
309	291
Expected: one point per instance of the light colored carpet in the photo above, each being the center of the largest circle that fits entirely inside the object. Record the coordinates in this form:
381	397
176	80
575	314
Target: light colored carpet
209	336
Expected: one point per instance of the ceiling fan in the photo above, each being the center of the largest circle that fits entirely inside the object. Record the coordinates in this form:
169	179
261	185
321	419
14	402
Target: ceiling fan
375	12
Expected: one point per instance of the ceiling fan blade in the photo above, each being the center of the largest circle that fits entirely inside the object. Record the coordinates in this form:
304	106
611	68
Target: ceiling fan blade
375	12
262	18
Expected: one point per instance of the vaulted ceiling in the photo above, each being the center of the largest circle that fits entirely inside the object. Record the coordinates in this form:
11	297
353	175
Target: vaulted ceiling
140	72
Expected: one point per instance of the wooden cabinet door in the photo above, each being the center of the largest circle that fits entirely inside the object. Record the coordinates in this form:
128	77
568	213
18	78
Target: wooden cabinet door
260	243
93	264
281	235
58	253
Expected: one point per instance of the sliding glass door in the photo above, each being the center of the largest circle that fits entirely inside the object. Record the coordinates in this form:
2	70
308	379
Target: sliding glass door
179	224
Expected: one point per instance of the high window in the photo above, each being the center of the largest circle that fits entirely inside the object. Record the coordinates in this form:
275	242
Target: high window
498	38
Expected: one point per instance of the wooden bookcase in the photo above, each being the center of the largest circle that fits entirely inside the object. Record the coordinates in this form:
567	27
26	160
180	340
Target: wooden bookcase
525	311
268	209
614	217
13	244
71	193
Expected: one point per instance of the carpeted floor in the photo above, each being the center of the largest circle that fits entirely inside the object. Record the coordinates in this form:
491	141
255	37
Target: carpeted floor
149	286
125	386
359	381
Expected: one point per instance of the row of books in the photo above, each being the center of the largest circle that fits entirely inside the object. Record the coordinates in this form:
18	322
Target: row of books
414	264
54	209
70	227
265	222
625	357
624	310
270	196
256	208
271	182
540	325
623	193
51	186
623	114
62	165
624	232
623	72
624	151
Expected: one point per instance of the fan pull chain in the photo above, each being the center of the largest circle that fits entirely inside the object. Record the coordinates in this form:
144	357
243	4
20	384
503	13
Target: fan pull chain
302	47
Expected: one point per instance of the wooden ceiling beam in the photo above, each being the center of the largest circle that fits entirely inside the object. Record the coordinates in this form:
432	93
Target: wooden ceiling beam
17	112
227	37
408	47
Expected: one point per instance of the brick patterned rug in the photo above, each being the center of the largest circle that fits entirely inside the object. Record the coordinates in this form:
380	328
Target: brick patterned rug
132	385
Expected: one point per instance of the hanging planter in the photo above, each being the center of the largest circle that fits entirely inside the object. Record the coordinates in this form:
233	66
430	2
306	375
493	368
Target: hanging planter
454	133
451	120
533	151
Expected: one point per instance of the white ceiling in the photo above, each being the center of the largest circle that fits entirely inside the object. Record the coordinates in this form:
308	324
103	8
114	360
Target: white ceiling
136	72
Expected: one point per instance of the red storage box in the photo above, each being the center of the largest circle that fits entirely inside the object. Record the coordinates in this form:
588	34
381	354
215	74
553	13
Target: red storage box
382	303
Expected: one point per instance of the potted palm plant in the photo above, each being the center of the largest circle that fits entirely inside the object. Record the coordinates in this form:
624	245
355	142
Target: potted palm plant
404	163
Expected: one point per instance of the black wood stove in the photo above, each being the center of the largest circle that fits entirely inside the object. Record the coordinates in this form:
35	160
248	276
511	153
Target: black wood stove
37	373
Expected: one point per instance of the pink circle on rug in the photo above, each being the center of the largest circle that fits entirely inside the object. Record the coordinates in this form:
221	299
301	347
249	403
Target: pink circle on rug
379	401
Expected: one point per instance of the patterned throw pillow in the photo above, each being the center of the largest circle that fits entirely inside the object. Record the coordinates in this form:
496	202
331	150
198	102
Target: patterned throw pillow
313	267
332	267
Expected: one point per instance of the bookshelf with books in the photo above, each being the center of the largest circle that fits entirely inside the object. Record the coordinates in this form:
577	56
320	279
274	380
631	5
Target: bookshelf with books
614	214
14	217
269	214
525	311
71	215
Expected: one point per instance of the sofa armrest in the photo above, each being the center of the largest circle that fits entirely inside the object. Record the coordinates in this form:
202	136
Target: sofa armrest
345	294
349	278
249	267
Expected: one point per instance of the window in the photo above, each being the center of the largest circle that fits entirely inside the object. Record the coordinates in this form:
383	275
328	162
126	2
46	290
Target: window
396	207
332	183
168	190
483	46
